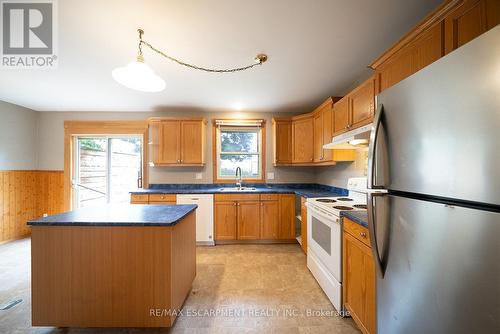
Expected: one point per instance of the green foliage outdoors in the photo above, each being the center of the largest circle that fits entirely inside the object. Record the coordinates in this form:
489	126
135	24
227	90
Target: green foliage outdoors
236	142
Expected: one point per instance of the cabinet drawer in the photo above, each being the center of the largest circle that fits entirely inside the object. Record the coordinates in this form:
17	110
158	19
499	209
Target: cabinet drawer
139	198
269	197
162	198
236	197
357	231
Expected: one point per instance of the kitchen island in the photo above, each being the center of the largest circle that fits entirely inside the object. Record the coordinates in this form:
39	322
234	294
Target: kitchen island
112	266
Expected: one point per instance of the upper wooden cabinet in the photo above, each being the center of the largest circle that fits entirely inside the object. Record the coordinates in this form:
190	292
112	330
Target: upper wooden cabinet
355	109
299	140
468	20
323	130
341	111
178	142
303	139
451	25
282	136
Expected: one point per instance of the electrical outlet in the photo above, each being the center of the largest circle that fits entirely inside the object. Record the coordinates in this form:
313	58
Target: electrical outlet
270	176
198	176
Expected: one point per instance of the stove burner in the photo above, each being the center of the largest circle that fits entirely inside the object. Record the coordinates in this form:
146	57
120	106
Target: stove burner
326	200
345	199
341	207
360	206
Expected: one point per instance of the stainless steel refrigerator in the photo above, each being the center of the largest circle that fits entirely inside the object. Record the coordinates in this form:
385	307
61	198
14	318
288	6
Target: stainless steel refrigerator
434	206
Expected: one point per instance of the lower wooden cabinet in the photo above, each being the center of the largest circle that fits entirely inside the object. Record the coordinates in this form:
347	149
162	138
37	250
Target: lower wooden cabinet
153	199
247	217
225	220
287	217
269	219
359	276
303	224
248	220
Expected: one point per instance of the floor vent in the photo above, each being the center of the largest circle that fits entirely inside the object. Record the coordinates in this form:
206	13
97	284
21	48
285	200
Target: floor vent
10	304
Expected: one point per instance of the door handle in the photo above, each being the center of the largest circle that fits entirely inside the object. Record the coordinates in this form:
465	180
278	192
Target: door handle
372	230
373	147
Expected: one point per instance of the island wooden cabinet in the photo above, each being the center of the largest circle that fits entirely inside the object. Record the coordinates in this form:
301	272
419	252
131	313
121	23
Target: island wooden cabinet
358	287
282	135
178	142
251	217
355	109
303	139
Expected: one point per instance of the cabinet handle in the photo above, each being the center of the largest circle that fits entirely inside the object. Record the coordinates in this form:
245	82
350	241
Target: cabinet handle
362	234
234	203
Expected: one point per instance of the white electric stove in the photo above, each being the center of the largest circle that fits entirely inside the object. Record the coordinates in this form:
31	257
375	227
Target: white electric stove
324	237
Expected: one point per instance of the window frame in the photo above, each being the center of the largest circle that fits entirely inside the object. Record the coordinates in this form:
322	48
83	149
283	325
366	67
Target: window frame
216	143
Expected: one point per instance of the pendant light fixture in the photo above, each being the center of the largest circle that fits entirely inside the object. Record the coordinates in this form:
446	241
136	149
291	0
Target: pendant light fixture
139	76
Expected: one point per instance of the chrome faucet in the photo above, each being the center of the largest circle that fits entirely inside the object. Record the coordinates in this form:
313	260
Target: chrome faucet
238	177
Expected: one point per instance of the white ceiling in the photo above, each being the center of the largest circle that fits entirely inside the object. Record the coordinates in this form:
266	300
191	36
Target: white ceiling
316	48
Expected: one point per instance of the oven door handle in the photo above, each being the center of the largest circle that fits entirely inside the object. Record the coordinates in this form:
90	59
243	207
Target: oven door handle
318	212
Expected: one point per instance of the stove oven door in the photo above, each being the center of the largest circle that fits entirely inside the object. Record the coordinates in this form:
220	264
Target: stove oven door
324	239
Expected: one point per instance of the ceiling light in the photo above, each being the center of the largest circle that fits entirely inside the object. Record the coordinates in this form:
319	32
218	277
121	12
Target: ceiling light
139	76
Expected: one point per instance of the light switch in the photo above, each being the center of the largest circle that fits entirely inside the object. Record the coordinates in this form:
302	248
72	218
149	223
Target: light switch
270	176
199	176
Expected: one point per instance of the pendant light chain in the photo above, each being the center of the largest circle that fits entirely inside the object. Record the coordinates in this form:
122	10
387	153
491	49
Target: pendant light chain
259	59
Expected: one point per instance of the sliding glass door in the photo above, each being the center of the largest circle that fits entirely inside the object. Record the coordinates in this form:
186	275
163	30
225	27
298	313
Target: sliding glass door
106	169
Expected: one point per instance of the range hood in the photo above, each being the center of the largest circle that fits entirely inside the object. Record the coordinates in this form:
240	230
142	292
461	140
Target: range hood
354	139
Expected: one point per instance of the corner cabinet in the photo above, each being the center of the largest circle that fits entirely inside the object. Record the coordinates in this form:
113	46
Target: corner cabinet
178	142
359	278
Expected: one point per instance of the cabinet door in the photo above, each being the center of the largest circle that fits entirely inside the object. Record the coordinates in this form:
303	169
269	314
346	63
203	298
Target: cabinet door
469	20
192	142
327	131
169	142
318	137
283	142
303	130
341	116
359	282
269	219
303	224
363	104
225	220
248	220
426	49
287	217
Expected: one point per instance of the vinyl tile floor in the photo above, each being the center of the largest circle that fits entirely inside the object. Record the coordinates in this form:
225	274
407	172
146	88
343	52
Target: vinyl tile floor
238	289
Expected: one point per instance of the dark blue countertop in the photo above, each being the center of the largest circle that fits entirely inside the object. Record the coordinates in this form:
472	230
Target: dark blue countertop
360	217
119	215
301	189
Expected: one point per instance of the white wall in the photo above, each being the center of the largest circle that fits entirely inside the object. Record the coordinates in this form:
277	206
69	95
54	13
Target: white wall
51	145
18	132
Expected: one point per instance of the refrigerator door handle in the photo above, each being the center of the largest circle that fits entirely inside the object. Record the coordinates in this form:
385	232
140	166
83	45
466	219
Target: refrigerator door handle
373	147
372	230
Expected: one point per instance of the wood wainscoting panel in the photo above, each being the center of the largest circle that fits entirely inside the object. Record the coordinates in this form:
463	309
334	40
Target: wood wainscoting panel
25	195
